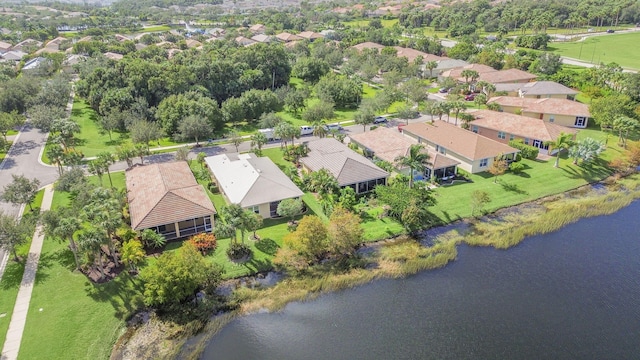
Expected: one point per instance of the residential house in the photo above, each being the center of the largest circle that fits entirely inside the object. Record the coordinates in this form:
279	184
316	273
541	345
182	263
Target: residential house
506	76
254	183
368	45
558	111
388	144
241	40
504	127
27	44
310	35
347	166
35	64
113	56
121	38
474	152
456	73
537	90
71	60
5	46
14	55
258	29
286	37
167	199
447	64
193	43
262	38
412	54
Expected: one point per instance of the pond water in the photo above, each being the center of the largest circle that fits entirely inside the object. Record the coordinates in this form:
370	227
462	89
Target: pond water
572	294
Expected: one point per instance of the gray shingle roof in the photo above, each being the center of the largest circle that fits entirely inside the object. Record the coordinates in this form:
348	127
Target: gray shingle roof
346	165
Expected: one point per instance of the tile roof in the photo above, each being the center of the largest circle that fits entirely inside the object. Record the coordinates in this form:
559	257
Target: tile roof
261	38
244	41
346	165
457	72
388	144
5	46
165	193
544	106
506	76
193	43
113	56
249	180
463	142
546	88
257	28
286	37
412	54
368	45
522	126
310	35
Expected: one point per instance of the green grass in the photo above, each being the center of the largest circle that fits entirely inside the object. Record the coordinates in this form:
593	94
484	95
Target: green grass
618	48
12	276
91	142
3	151
386	23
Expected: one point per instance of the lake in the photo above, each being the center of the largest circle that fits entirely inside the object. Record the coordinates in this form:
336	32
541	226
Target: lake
571	294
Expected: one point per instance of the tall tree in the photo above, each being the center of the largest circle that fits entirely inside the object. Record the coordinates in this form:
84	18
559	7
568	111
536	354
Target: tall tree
498	167
91	240
416	160
562	142
624	125
344	231
21	190
143	132
194	127
290	208
13	233
62	224
258	140
10	121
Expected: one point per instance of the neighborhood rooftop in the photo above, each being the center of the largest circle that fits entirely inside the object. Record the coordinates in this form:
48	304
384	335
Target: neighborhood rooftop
347	166
249	180
544	106
519	125
464	142
165	193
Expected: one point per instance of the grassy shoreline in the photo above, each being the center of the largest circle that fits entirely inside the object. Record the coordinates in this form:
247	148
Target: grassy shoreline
403	256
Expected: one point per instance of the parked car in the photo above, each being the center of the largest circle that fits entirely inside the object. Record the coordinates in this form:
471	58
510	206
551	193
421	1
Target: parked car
331	127
610	31
443	90
269	134
380	120
306	130
470	97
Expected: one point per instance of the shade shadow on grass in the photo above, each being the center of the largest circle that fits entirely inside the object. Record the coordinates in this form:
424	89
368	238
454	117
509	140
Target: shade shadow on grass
513	188
267	246
12	276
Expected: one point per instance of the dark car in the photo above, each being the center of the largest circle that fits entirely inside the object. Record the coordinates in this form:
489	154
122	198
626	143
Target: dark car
380	120
610	31
443	90
470	97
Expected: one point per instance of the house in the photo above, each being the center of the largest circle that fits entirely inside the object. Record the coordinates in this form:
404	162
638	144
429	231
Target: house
167	199
241	40
504	127
193	43
254	183
456	73
113	56
412	54
72	60
35	64
347	166
5	46
286	37
506	76
14	55
447	64
537	90
121	38
258	29
558	111
387	144
368	45
55	43
26	44
261	38
474	152
310	35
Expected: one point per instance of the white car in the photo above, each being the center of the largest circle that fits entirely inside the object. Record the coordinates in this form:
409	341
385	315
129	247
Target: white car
331	127
380	120
306	130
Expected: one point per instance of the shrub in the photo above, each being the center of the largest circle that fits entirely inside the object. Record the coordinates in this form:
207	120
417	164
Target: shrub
238	251
526	151
516	167
204	242
213	188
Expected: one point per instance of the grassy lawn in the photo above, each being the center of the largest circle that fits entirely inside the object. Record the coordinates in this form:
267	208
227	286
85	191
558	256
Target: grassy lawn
386	23
91	142
619	48
3	151
12	276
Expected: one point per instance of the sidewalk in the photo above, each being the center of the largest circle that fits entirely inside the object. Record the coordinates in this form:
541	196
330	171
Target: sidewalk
19	316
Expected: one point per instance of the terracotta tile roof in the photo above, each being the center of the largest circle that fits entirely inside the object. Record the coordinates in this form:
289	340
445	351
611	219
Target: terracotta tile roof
166	193
310	35
388	144
544	106
346	165
257	28
261	38
249	180
193	43
457	72
463	142
519	125
5	46
113	56
244	41
368	45
286	37
412	54
506	76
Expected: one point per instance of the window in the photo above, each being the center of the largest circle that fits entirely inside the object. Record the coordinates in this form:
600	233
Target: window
526	141
441	149
552	118
511	137
255	209
581	121
501	135
484	162
474	128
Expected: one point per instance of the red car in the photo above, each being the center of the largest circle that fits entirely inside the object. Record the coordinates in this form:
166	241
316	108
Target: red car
470	97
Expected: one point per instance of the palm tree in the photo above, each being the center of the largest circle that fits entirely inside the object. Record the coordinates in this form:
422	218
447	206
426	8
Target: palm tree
457	106
431	65
96	168
416	159
92	240
107	159
562	142
56	155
